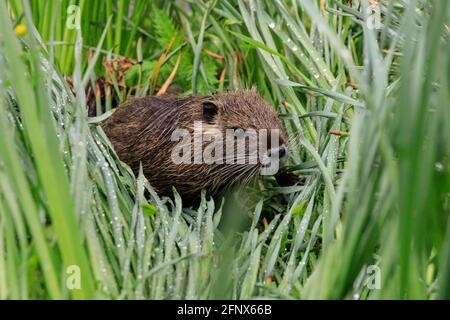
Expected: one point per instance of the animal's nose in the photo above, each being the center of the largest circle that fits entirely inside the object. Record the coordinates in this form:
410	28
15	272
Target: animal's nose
280	152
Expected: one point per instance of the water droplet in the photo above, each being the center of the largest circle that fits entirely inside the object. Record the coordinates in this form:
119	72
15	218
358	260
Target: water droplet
272	25
439	167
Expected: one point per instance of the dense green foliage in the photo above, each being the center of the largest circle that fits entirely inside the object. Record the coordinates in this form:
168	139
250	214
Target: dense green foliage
370	200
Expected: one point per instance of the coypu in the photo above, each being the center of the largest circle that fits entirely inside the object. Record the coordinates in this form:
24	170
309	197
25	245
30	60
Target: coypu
142	131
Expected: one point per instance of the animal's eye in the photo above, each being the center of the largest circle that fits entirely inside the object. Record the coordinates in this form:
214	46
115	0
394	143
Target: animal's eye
209	112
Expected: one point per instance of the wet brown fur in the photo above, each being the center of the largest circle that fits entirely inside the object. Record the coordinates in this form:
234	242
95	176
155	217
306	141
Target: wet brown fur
140	131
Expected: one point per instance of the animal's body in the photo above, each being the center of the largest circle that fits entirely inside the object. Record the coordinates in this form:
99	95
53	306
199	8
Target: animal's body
144	131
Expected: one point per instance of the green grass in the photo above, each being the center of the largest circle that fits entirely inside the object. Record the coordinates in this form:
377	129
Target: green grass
377	196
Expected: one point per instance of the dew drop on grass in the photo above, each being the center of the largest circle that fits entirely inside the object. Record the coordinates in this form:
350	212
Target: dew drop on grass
273	68
439	167
272	25
345	55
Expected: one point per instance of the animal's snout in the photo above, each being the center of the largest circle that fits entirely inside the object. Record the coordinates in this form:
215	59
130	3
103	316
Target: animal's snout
280	152
274	155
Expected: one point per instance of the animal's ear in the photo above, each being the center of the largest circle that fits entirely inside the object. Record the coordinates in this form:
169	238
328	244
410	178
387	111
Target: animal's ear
210	111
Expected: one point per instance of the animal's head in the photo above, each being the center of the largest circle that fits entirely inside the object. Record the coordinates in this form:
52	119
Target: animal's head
243	116
235	135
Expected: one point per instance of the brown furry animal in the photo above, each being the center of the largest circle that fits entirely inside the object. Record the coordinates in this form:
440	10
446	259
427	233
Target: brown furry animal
142	132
